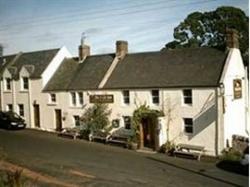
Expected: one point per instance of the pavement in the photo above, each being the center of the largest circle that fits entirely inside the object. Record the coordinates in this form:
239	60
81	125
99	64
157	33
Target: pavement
66	162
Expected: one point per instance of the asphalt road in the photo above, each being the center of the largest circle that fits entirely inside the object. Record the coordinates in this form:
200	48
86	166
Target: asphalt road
106	165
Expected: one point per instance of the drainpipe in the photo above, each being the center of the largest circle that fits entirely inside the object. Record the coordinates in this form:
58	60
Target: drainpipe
216	123
29	103
1	87
13	96
246	101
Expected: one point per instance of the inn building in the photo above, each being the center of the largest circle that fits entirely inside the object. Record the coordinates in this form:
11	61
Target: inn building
201	91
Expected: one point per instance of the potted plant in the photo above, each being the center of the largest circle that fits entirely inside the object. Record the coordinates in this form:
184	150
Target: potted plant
133	140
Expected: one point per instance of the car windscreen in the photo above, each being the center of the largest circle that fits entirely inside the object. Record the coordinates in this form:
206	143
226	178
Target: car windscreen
12	115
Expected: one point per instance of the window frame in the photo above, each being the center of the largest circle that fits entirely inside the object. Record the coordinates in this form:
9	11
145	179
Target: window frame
73	98
7	84
76	121
25	83
186	125
187	97
9	107
80	98
127	126
155	97
52	98
21	110
126	97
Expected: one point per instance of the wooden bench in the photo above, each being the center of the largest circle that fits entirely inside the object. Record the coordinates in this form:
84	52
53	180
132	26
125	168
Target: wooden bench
191	150
70	132
119	139
101	136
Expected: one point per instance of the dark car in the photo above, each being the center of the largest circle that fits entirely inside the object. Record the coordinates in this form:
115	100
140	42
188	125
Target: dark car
11	120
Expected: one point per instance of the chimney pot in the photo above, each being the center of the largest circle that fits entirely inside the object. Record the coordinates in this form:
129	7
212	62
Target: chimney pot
84	51
232	38
121	48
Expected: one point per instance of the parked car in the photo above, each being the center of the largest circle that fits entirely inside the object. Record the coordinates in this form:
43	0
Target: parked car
11	120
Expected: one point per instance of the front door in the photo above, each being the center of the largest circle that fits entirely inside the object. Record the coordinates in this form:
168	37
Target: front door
37	115
58	116
148	133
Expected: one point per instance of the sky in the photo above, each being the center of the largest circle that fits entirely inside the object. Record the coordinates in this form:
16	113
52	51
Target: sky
147	25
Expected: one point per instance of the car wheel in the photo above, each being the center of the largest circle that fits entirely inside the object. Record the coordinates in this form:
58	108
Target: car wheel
9	127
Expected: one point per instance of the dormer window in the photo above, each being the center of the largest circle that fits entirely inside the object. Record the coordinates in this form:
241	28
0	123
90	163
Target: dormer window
7	84
25	83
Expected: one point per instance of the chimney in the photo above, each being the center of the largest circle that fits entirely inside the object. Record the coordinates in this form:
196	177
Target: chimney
84	50
121	48
232	38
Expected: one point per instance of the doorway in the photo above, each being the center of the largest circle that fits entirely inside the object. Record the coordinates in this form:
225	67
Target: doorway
37	115
148	130
58	116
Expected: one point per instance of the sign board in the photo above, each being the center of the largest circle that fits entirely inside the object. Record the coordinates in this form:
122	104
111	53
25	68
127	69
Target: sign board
101	98
237	88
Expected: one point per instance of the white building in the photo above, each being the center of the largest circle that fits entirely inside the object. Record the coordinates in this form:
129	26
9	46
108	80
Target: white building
202	91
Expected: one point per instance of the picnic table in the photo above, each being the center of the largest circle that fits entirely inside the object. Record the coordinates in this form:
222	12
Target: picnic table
70	132
191	150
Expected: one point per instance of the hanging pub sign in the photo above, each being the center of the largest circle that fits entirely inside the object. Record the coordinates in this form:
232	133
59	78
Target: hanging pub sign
237	88
101	98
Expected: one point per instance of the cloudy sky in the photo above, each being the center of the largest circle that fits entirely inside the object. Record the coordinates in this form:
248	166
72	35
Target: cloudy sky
147	25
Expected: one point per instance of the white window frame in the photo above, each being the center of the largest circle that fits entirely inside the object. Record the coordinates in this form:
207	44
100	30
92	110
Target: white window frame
7	82
185	96
8	106
80	98
75	121
155	97
124	122
126	97
23	83
52	98
73	100
188	125
21	111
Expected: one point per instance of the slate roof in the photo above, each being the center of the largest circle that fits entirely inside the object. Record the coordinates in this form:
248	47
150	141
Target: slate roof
39	59
62	78
72	75
194	67
4	61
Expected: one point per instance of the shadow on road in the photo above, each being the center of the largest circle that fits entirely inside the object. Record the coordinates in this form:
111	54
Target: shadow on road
233	166
194	172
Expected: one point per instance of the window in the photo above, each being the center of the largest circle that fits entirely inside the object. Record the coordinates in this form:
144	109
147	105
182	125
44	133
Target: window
52	98
73	98
9	107
25	83
80	96
77	120
127	122
7	84
188	125
187	96
126	99
21	110
155	96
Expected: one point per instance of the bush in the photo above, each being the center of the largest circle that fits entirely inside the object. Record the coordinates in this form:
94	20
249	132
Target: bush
168	148
96	118
231	155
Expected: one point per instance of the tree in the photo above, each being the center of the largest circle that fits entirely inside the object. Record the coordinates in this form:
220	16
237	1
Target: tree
209	29
96	117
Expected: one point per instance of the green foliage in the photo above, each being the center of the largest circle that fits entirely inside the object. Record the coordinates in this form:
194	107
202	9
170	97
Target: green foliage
12	179
231	155
208	29
168	148
96	118
140	113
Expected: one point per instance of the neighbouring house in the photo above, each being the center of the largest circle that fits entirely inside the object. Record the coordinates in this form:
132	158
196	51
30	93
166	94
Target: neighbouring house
23	77
201	91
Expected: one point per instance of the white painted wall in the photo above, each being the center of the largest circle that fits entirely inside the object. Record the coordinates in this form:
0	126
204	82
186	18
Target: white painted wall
235	111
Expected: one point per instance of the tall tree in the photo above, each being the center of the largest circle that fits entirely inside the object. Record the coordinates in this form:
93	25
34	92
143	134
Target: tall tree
209	29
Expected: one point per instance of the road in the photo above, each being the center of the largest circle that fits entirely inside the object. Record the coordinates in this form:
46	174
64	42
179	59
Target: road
83	163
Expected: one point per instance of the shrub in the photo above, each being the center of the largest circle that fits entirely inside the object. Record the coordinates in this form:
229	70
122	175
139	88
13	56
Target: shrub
231	155
96	118
167	147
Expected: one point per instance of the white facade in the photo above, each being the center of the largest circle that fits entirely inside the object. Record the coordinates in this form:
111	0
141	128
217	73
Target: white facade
215	114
